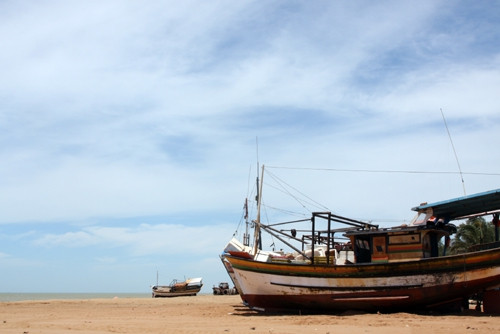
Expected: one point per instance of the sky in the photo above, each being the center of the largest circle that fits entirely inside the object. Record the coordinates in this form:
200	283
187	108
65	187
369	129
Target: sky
131	131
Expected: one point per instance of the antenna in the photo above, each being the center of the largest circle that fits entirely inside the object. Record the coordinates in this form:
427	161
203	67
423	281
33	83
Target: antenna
257	152
454	151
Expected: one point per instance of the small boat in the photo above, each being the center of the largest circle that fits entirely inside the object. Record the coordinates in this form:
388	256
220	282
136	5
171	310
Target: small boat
377	269
189	287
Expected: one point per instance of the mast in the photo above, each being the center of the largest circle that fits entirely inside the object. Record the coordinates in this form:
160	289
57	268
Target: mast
246	237
257	239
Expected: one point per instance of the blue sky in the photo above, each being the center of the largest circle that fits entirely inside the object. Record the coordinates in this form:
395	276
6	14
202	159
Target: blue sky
128	129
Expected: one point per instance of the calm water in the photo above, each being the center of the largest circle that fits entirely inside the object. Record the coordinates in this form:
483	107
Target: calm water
11	297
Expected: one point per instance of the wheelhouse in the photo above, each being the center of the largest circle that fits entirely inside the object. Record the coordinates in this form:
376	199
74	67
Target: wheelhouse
401	243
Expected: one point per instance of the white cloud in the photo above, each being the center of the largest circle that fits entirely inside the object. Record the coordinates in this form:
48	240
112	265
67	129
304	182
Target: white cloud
68	239
145	239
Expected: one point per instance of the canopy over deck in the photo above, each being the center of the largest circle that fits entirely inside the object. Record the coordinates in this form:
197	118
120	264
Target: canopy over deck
457	208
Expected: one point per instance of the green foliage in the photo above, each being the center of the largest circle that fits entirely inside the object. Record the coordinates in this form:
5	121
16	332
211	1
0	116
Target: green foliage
475	231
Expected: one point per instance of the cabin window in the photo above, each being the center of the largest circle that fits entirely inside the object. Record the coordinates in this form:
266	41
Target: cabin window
362	250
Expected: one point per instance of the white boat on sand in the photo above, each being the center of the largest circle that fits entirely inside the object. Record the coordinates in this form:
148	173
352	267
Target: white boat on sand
189	287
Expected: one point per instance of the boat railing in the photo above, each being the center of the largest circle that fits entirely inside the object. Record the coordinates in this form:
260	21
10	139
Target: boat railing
482	247
318	236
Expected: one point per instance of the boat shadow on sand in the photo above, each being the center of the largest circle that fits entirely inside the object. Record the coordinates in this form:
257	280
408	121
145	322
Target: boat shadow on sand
243	311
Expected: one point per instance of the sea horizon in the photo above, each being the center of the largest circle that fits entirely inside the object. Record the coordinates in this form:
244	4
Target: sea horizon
22	296
26	296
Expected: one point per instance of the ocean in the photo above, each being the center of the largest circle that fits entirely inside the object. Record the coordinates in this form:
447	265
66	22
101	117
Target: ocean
13	296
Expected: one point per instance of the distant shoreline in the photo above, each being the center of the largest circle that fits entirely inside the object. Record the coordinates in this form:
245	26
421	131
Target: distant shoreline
27	296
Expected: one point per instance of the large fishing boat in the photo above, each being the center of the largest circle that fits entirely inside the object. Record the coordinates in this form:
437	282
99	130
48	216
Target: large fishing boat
380	269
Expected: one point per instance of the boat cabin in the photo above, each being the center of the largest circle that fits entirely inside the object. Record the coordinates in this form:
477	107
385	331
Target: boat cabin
425	237
401	243
428	235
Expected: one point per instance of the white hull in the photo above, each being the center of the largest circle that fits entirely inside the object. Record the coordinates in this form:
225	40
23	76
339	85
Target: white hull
255	283
415	284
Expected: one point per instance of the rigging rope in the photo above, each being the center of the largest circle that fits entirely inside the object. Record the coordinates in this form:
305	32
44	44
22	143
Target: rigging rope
454	151
312	201
382	171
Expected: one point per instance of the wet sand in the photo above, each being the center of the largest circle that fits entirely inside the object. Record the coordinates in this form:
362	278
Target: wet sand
217	314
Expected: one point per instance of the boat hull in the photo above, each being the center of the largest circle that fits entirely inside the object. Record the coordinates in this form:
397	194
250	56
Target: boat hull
231	274
189	287
407	285
168	294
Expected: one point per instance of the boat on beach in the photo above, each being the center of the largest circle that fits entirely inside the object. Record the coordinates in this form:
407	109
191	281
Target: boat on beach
189	287
361	266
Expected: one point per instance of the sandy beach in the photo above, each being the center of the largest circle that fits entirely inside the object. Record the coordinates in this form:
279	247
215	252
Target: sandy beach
216	314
